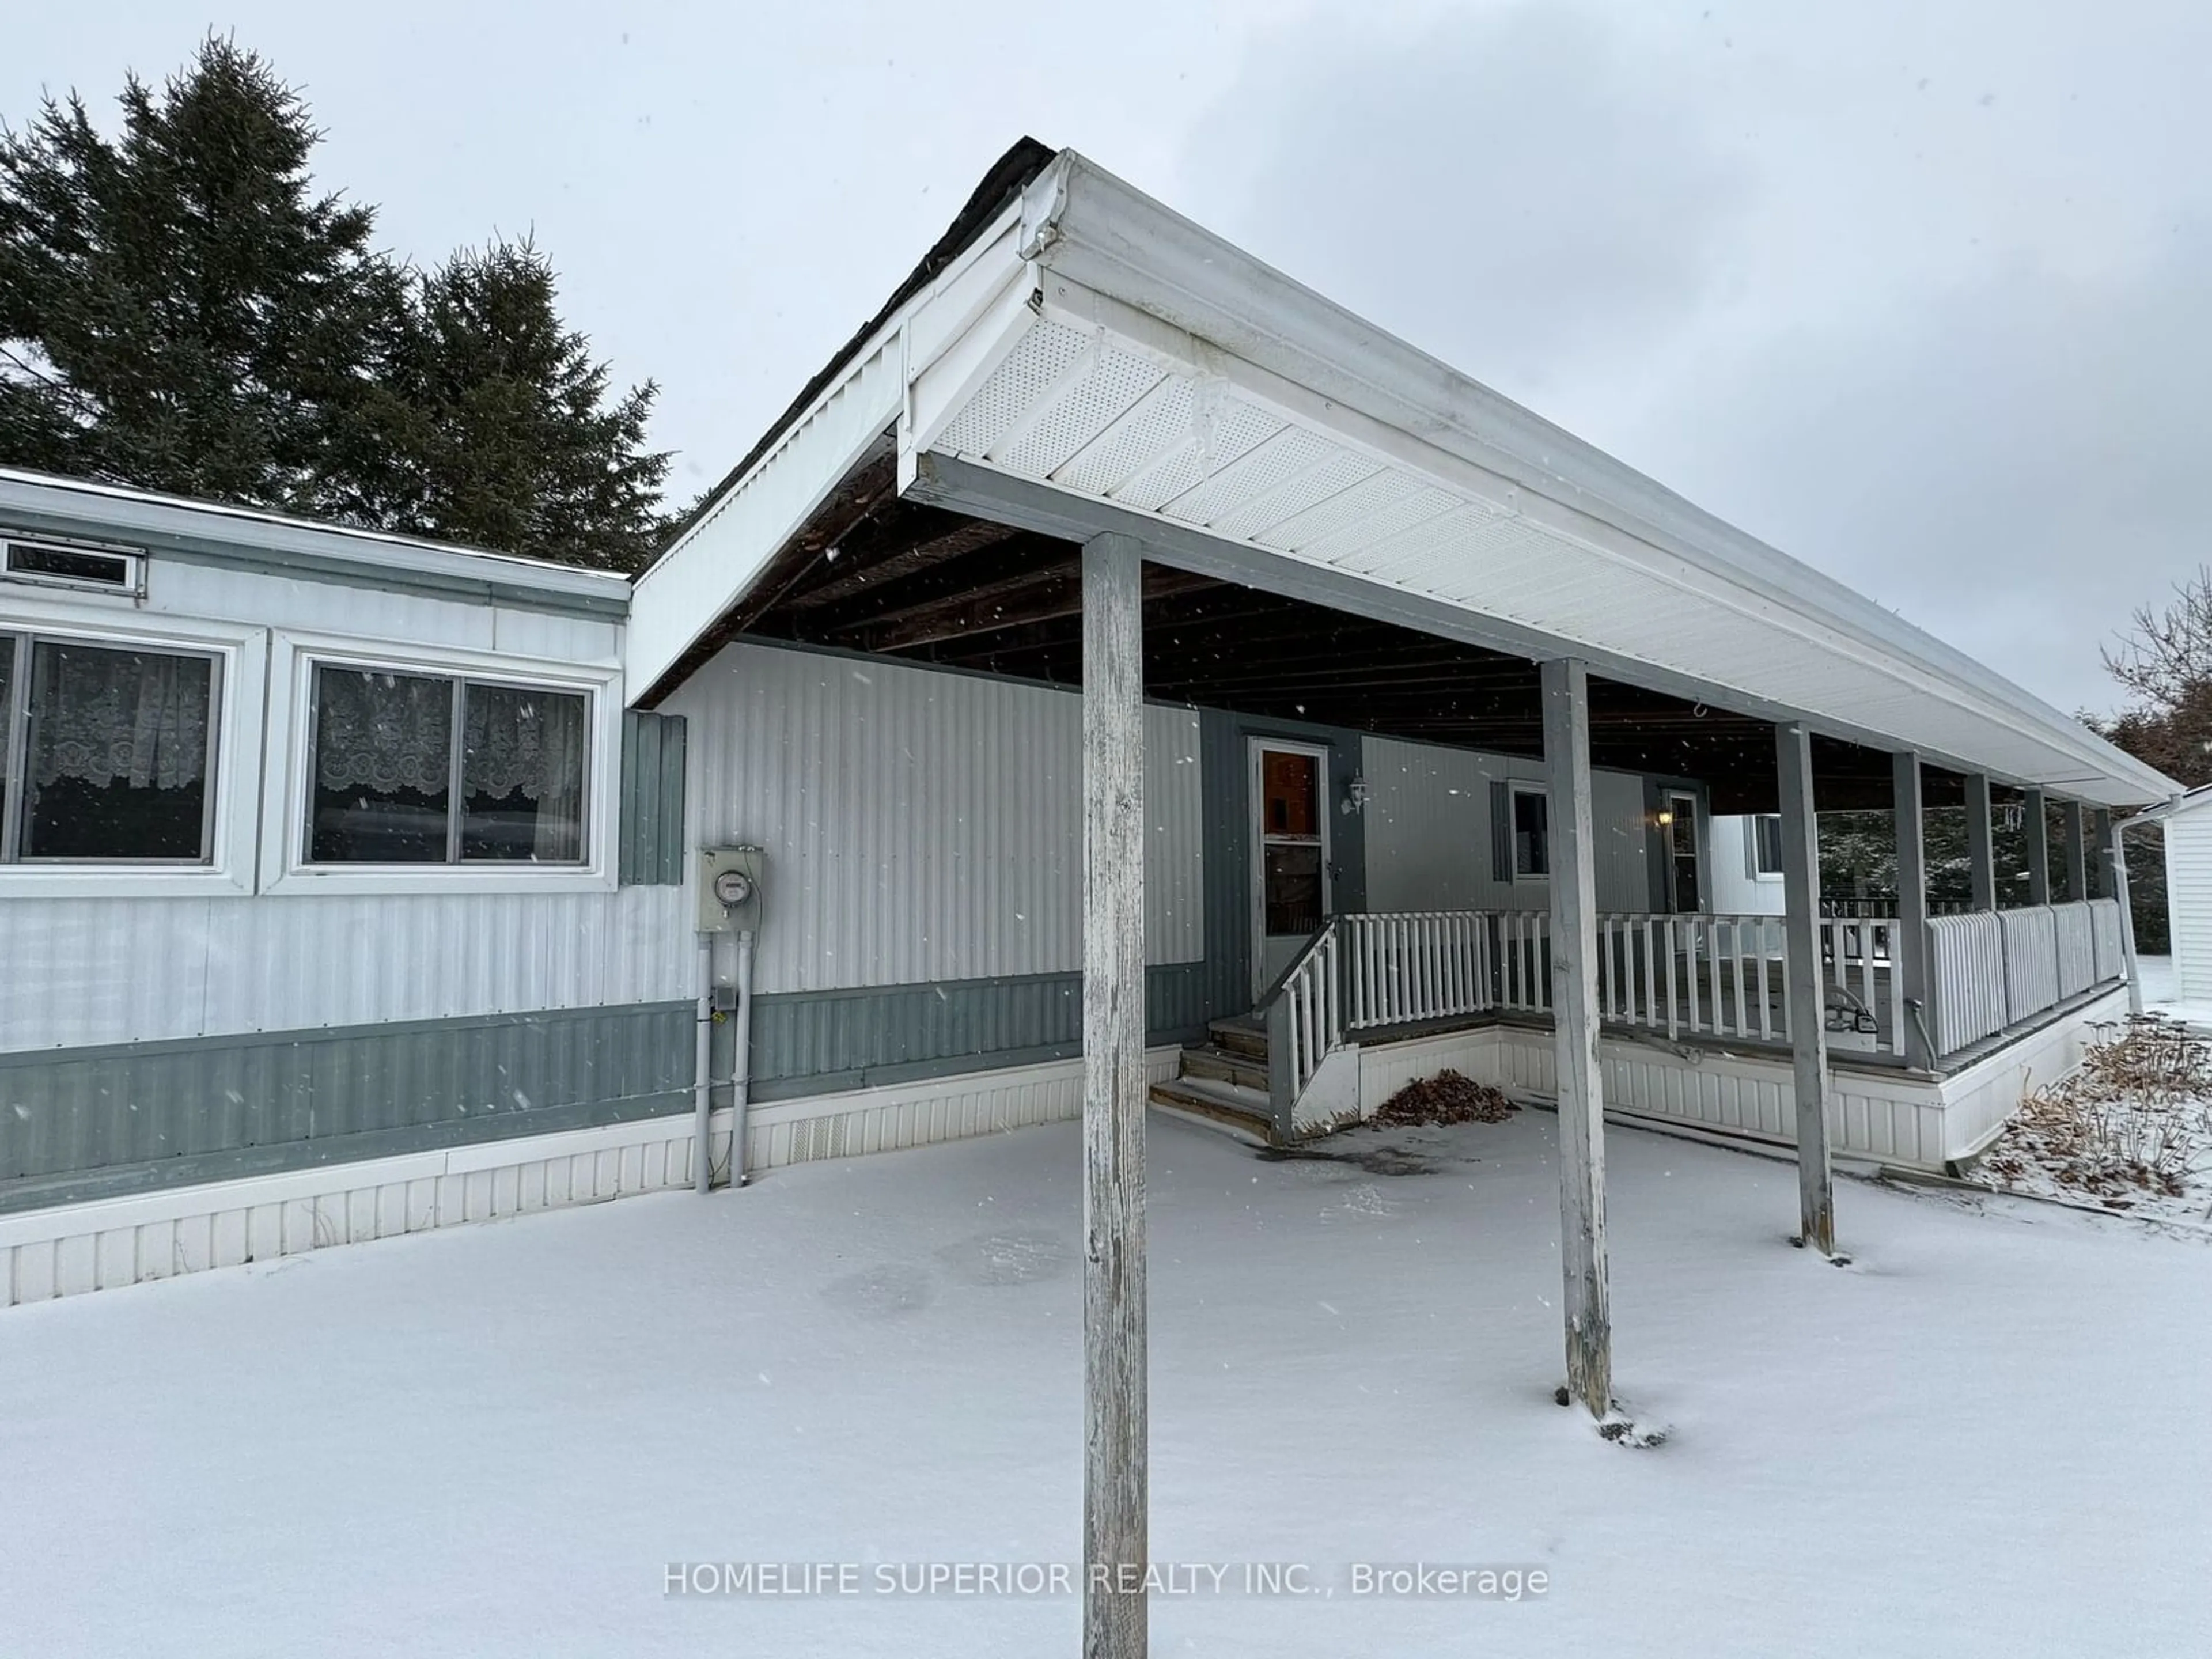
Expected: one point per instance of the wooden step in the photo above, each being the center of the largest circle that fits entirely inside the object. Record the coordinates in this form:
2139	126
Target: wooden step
1244	1033
1220	1065
1246	1111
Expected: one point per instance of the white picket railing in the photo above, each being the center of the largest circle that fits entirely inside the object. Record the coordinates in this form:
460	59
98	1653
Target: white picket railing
1524	961
1696	975
1686	974
1414	965
1718	975
1310	995
1860	955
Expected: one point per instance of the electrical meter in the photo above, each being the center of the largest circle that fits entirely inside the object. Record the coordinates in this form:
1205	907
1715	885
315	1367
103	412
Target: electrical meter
729	889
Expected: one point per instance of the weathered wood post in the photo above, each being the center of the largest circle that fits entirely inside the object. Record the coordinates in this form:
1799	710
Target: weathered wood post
1574	1024
2116	874
1113	1090
1981	849
1909	950
1808	1035
2037	823
2075	818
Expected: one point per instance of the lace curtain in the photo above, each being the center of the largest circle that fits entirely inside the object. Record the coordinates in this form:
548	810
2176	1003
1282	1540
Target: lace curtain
518	740
140	717
383	733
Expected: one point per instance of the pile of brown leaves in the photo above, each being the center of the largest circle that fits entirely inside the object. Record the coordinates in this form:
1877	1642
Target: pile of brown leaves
2127	1124
1447	1098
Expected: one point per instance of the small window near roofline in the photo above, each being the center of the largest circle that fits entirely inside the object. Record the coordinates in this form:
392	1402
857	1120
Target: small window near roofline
87	569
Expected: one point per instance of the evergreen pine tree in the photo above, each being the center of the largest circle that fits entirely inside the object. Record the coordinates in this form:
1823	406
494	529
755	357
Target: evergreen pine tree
493	426
179	309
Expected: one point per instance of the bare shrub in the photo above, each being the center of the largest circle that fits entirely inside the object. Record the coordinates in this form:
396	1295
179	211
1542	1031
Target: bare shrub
2128	1123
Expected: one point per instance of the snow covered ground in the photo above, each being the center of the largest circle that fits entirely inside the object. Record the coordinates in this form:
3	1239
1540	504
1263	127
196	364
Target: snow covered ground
1981	1437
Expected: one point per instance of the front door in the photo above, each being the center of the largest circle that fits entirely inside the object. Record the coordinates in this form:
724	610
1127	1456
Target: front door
1678	824
1289	852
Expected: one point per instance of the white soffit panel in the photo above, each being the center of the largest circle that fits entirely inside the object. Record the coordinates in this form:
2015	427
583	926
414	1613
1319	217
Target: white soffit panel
1106	402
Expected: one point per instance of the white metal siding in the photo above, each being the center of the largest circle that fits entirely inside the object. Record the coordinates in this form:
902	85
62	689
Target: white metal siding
110	970
922	825
175	587
93	970
2189	901
1735	890
1428	831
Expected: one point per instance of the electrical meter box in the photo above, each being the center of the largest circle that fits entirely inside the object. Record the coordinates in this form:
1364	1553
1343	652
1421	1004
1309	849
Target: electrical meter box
730	889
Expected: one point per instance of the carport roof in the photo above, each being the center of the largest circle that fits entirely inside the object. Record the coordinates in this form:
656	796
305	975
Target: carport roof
1072	358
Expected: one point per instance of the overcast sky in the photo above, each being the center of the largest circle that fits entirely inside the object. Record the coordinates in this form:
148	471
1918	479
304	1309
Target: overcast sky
1916	292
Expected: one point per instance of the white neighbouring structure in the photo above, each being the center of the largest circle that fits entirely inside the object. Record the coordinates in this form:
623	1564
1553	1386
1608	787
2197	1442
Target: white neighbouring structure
2185	824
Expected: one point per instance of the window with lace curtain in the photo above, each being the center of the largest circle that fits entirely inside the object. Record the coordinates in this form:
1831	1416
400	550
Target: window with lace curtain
106	752
422	769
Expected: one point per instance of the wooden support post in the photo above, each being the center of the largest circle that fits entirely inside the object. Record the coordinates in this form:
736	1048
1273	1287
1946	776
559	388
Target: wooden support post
1574	1025
2037	823
1113	1092
1909	950
1808	1035
2101	834
2075	819
2116	866
1981	849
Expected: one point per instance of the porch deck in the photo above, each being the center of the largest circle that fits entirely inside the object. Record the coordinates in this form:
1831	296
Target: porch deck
1695	985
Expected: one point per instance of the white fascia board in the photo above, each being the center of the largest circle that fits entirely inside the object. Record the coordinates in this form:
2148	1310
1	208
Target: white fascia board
714	564
1081	222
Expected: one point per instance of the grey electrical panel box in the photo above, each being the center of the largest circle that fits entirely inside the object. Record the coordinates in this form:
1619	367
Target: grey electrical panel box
730	889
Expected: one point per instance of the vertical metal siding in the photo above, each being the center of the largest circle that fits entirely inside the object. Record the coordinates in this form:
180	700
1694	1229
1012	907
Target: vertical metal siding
113	970
651	852
838	1039
203	1109
921	825
2188	837
1430	832
1228	854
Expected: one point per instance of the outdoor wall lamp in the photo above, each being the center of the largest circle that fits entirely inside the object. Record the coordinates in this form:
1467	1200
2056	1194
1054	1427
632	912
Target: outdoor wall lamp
1356	794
